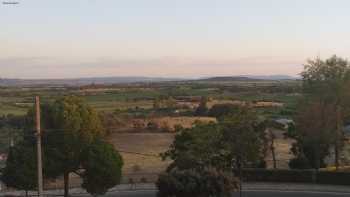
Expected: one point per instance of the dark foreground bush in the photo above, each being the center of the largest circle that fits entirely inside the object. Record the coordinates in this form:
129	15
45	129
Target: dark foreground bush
221	110
305	176
336	178
299	163
196	183
278	175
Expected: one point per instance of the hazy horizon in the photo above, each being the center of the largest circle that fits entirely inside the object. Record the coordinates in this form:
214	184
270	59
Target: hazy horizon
160	77
169	39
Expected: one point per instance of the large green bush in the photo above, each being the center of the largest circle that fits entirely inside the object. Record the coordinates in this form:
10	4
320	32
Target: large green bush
21	167
299	162
196	183
103	167
221	110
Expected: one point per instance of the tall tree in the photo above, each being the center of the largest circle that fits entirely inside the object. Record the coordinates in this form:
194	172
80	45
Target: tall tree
68	125
271	137
197	147
314	134
20	171
102	167
328	82
70	130
218	144
221	110
245	136
238	138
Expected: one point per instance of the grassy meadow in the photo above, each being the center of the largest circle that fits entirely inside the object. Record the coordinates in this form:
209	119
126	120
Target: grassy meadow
17	100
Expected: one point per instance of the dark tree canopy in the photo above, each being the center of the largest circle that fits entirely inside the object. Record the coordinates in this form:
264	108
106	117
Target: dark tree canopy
102	165
13	121
72	143
69	125
21	167
196	148
196	183
11	130
328	79
244	133
221	110
74	136
202	164
218	144
327	83
314	134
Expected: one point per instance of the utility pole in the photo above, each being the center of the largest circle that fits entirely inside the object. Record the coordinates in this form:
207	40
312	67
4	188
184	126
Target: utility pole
38	135
239	165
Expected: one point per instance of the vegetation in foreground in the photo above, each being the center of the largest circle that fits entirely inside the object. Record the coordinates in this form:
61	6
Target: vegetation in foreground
323	114
73	140
239	139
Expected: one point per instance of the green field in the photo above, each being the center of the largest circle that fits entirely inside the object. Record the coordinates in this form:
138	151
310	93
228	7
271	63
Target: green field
17	100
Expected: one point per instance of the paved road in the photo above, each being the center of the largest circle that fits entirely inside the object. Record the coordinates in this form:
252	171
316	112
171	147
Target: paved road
251	193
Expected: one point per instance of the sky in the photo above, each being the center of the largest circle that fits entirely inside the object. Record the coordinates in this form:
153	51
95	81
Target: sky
168	38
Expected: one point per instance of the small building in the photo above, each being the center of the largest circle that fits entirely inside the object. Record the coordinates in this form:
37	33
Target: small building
284	122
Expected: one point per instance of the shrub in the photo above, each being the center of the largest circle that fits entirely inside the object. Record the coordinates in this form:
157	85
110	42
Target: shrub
305	176
102	166
221	110
196	183
299	163
338	178
152	126
278	175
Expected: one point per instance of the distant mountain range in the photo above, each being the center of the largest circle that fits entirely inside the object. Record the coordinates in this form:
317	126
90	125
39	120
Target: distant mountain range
83	81
271	77
225	79
123	80
250	78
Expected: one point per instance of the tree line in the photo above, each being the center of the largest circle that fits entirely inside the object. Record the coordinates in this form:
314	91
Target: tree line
73	142
322	114
205	158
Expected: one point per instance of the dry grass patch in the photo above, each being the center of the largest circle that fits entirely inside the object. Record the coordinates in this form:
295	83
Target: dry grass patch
142	150
186	122
238	102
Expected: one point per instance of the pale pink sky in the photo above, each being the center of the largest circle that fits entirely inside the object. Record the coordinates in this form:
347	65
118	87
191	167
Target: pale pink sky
182	38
